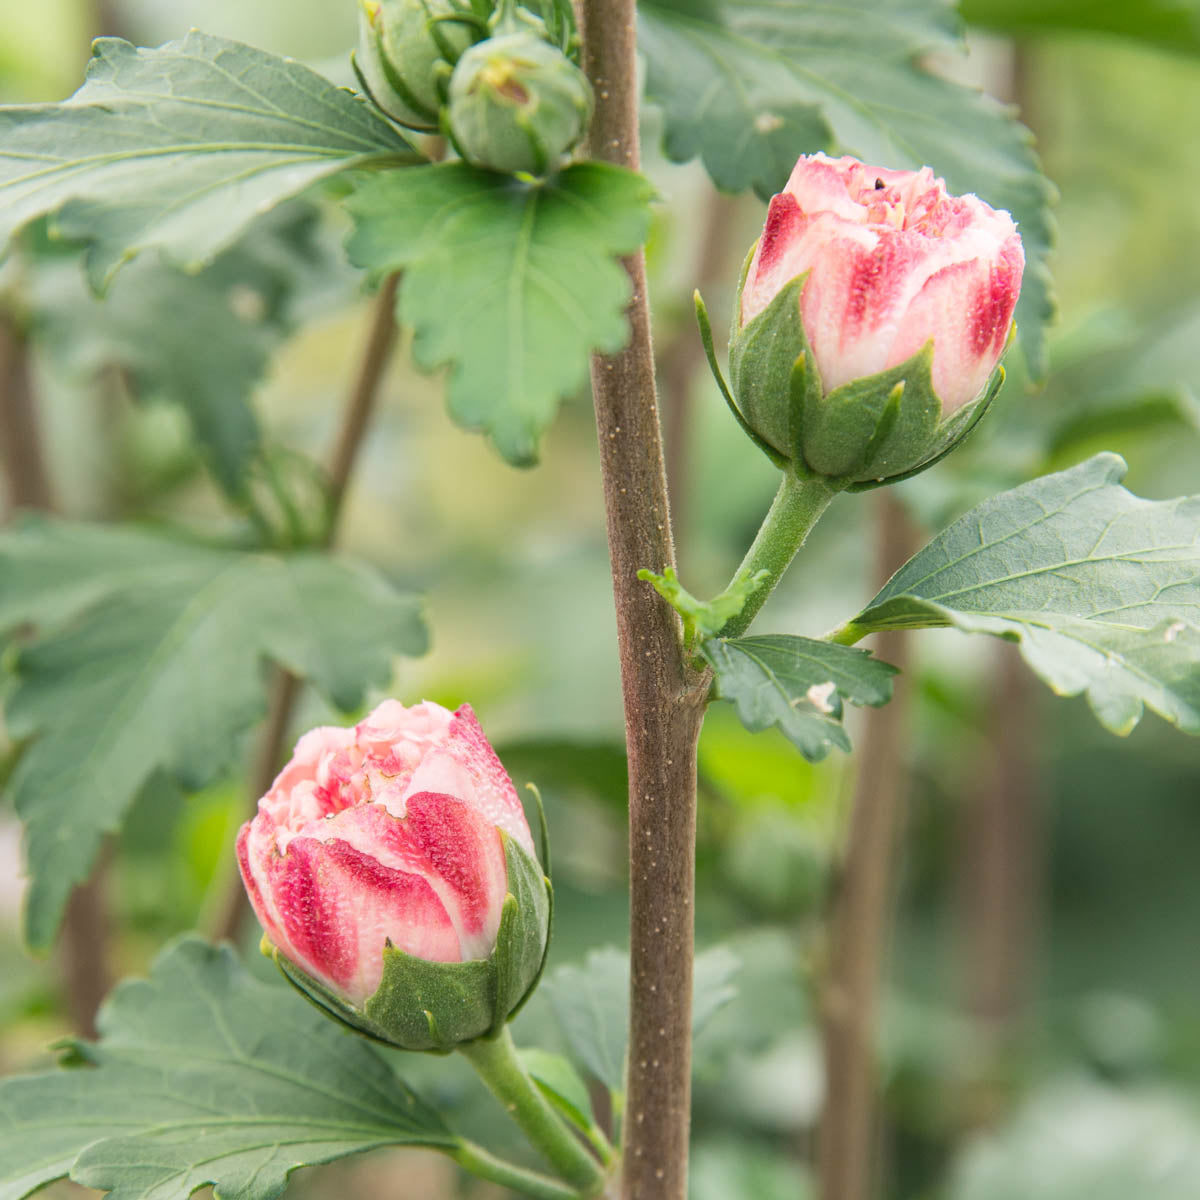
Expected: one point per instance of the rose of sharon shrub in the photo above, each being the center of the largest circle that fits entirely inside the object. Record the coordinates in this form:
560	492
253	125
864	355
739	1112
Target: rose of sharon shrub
872	314
393	871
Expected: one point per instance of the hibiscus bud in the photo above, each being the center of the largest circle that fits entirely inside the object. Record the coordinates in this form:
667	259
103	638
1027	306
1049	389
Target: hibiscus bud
405	51
393	871
871	319
517	103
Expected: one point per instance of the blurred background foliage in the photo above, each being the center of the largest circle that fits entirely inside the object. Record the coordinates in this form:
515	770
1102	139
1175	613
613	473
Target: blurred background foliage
1041	1039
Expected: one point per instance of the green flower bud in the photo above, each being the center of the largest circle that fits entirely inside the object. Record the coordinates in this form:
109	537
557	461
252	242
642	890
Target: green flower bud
517	104
406	48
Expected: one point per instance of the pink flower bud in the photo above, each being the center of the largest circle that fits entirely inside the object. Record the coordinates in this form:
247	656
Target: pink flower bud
390	835
893	261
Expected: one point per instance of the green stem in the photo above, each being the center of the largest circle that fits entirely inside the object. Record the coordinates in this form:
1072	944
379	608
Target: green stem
846	634
797	507
495	1059
487	1166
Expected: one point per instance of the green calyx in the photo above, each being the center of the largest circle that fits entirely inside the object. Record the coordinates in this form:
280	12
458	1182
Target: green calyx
433	1006
406	51
872	431
517	104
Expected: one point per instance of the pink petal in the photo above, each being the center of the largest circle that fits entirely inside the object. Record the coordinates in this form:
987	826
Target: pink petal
777	259
854	298
339	907
468	855
967	310
495	798
445	842
820	184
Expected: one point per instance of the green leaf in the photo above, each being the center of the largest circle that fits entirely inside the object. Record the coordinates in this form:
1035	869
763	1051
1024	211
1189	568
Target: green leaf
798	684
225	323
204	1075
1146	376
591	1004
179	148
509	284
749	84
1077	1140
561	1085
1172	24
1100	588
161	668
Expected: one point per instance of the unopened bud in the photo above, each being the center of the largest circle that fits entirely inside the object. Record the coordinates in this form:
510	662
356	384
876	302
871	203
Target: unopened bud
405	53
518	104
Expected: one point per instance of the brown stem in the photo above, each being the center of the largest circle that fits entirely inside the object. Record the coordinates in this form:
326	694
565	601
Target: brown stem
859	929
85	941
664	698
683	356
285	687
20	430
998	871
84	952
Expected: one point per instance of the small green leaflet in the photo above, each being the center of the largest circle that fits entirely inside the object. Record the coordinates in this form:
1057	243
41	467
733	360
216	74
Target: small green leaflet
748	85
512	285
798	684
591	1004
150	658
1100	587
179	148
201	341
204	1075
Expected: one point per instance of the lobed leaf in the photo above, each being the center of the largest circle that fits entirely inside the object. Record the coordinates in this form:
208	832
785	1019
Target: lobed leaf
510	284
1100	587
798	684
748	85
204	1076
151	659
1171	24
590	1001
202	341
179	148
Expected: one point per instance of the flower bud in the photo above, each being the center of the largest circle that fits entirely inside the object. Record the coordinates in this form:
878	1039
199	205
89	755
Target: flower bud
517	104
393	871
871	317
405	49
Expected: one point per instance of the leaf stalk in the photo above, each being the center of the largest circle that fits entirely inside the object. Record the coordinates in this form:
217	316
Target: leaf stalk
496	1062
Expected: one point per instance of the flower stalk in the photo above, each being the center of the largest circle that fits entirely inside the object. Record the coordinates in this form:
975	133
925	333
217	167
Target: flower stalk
496	1062
797	507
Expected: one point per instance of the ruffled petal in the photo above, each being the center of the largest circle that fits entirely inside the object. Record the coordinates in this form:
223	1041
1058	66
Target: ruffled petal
339	907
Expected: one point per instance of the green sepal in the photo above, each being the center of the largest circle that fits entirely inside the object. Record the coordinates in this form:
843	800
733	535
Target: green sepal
951	434
706	340
434	1007
523	940
773	373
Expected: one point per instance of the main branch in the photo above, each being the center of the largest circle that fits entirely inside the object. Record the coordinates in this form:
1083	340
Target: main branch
664	698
